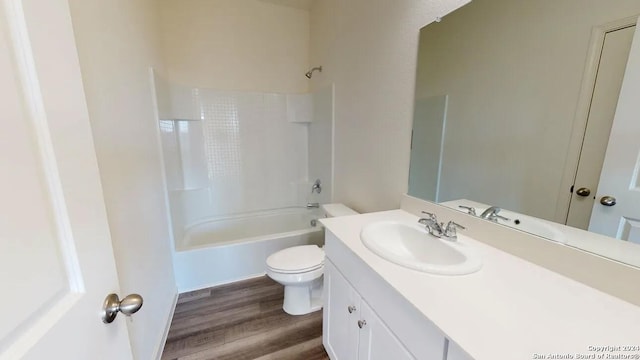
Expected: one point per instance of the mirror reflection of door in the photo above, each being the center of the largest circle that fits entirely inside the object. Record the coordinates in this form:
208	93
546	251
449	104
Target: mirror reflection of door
619	179
604	99
426	151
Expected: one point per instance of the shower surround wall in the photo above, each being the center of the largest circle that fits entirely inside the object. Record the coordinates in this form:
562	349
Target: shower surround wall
234	152
239	170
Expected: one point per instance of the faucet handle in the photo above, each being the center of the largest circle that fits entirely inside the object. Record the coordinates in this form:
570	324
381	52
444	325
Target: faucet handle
496	216
450	232
316	187
431	215
470	210
430	221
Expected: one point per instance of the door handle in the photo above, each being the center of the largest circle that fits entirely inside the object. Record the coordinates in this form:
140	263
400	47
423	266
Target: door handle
583	191
608	200
112	305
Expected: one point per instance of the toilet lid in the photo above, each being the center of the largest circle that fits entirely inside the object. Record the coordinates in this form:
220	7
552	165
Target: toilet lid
296	259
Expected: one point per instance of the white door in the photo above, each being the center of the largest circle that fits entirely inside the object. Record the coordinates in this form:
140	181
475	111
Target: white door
606	91
619	178
56	260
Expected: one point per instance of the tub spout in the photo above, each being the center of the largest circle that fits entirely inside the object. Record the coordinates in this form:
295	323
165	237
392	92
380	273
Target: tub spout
313	205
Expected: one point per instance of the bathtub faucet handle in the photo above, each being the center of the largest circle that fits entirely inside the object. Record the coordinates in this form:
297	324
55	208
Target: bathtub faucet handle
317	187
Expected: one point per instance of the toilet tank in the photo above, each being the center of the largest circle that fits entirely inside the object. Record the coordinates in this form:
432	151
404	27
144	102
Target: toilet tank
335	210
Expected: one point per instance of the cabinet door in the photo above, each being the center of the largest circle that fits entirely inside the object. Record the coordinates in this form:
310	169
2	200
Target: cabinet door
377	342
340	316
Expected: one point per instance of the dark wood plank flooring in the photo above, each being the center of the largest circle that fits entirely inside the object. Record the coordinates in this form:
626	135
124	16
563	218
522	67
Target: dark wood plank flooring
239	321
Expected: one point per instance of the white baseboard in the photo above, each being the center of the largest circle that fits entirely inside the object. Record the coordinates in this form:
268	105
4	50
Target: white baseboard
163	340
252	276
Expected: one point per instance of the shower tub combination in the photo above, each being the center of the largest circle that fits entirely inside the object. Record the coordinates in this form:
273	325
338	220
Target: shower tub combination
232	248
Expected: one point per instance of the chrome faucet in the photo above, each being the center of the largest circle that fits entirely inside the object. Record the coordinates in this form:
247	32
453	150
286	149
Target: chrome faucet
470	210
438	229
491	214
313	205
431	224
317	187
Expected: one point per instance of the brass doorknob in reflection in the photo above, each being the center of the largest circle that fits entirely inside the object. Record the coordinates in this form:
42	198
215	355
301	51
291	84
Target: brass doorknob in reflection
583	191
112	305
608	200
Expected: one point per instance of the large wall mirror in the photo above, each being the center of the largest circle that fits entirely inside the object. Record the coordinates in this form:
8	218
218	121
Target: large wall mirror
534	107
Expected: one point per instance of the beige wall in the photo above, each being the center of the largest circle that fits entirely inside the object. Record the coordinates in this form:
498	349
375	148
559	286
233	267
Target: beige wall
117	42
247	45
513	71
368	48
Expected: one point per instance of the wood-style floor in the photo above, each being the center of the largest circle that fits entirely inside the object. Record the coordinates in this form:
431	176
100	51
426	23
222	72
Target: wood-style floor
243	320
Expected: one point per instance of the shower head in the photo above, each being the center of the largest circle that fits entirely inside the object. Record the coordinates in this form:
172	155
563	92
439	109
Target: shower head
310	72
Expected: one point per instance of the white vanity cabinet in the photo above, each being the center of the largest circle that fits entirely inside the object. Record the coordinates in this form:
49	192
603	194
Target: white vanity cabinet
340	315
352	329
365	318
414	315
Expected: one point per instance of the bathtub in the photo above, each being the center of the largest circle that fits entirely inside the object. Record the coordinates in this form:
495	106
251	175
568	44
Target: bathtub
228	249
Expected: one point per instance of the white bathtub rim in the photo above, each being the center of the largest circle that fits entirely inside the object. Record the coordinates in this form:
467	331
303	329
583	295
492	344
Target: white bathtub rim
251	214
248	240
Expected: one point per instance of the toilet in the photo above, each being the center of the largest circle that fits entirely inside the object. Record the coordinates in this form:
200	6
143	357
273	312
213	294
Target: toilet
300	269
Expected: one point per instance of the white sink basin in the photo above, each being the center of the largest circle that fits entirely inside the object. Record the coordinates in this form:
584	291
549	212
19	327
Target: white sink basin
411	246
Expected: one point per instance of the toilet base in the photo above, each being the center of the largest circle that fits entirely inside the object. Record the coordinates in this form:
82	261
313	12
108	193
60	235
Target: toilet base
305	299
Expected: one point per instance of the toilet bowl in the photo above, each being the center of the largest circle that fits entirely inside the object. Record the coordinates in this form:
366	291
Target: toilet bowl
300	270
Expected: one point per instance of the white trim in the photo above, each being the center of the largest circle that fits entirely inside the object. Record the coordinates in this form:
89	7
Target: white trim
163	177
167	327
582	112
441	157
210	285
163	171
28	76
333	144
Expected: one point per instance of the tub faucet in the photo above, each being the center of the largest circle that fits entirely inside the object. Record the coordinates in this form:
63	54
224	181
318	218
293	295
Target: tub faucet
317	187
313	205
491	214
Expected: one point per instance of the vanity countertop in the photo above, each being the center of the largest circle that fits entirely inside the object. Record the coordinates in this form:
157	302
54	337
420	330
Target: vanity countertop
509	309
623	251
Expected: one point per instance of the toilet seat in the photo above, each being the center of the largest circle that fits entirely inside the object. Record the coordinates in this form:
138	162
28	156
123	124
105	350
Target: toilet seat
293	272
296	260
